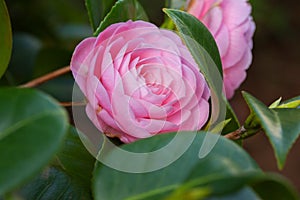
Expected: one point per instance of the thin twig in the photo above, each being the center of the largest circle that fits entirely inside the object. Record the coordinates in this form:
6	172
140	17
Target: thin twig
69	104
235	135
47	77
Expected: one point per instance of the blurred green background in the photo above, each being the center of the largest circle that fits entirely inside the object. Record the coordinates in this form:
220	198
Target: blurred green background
45	34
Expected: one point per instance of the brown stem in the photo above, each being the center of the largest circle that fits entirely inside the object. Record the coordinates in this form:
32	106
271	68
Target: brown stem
235	135
69	104
47	77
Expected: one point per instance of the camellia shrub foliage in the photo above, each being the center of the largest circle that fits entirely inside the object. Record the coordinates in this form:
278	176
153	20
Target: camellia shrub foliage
149	116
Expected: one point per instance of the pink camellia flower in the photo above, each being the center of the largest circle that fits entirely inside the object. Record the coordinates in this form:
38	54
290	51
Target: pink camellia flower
230	23
140	81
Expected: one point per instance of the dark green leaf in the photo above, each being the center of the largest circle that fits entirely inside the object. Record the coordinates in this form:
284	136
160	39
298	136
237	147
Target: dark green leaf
263	185
75	160
122	11
32	128
281	125
68	178
274	187
233	124
5	38
204	50
113	184
97	9
244	194
191	28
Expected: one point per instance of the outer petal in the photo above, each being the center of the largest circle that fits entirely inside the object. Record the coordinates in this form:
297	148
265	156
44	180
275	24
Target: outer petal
81	52
78	66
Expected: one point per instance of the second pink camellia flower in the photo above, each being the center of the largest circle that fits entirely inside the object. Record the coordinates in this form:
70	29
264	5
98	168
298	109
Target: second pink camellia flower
230	23
140	81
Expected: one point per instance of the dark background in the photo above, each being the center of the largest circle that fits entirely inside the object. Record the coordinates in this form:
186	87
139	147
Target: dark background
46	32
275	72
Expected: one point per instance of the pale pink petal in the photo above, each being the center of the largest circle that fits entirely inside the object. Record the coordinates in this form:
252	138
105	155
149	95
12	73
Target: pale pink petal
236	74
223	40
92	115
236	12
102	97
81	52
236	48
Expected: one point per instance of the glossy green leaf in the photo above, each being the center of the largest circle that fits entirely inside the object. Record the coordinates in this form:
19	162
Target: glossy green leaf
204	50
51	184
113	184
275	103
32	128
263	185
69	177
226	170
216	185
234	122
243	194
291	103
5	38
97	9
189	26
292	99
122	11
274	187
281	125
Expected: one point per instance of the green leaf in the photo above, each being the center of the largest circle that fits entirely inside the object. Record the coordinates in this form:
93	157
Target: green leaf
225	170
275	103
97	9
5	38
123	11
189	28
274	187
51	184
113	184
234	124
204	50
32	129
291	103
245	194
281	125
263	185
69	177
292	99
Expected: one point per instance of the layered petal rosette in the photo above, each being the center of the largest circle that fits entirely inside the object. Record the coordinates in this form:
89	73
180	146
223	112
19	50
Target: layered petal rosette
140	81
232	26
